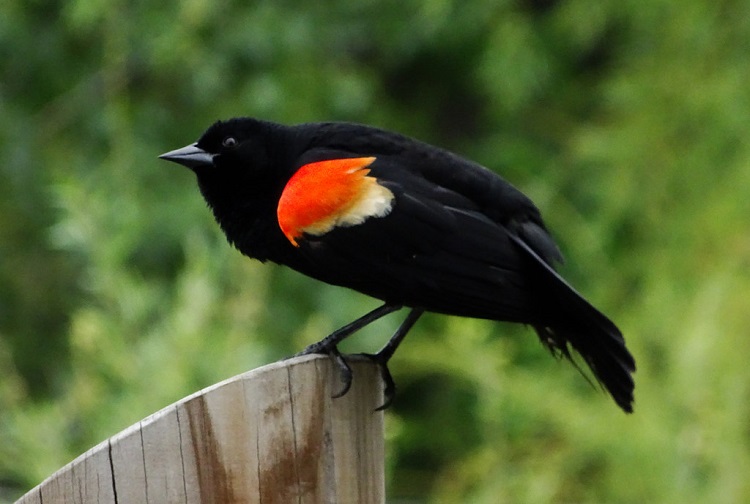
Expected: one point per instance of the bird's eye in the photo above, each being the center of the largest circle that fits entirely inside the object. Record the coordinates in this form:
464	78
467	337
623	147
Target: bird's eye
229	142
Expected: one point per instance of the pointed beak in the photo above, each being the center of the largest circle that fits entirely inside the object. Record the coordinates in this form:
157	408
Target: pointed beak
191	156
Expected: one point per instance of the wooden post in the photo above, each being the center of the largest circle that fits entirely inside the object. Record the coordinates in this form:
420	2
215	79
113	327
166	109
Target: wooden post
271	435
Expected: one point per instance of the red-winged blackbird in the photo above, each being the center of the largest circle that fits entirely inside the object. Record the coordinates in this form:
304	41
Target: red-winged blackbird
402	221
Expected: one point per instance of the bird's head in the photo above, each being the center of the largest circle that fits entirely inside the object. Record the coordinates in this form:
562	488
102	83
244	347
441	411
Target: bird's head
227	146
241	161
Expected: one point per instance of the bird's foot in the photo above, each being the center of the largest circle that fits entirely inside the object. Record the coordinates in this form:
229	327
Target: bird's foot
389	386
346	375
345	372
328	345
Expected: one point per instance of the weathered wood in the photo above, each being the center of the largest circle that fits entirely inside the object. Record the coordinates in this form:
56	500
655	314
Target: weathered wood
271	435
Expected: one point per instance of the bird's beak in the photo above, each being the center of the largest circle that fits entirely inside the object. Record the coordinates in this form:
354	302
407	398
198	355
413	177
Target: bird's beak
191	156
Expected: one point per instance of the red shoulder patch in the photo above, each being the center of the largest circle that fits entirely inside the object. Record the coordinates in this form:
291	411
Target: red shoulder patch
331	193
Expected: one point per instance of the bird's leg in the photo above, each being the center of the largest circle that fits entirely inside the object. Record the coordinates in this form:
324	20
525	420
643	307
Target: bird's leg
384	355
329	344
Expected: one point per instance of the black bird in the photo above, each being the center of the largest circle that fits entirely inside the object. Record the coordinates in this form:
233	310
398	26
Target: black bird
402	221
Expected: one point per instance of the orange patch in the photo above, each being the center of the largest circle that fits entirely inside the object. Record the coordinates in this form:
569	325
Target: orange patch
326	194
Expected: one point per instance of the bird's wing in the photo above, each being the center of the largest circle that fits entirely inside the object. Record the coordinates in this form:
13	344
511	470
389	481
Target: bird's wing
391	230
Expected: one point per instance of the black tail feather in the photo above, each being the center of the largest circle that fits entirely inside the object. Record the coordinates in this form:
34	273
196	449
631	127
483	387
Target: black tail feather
574	321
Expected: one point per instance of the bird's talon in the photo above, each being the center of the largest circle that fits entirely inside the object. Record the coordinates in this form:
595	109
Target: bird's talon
389	388
345	372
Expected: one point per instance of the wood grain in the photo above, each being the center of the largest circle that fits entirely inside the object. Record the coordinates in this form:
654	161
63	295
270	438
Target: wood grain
271	435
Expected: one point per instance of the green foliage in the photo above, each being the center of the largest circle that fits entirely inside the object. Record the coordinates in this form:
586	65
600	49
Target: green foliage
625	122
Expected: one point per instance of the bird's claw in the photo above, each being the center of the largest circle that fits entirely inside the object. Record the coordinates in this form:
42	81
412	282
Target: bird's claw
345	372
389	385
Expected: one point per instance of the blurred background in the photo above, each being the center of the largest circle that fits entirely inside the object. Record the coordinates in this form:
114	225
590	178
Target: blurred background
626	122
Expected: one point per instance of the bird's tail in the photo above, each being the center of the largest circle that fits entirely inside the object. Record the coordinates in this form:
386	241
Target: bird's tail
577	323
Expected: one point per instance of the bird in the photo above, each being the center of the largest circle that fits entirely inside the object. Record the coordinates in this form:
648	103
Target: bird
408	223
